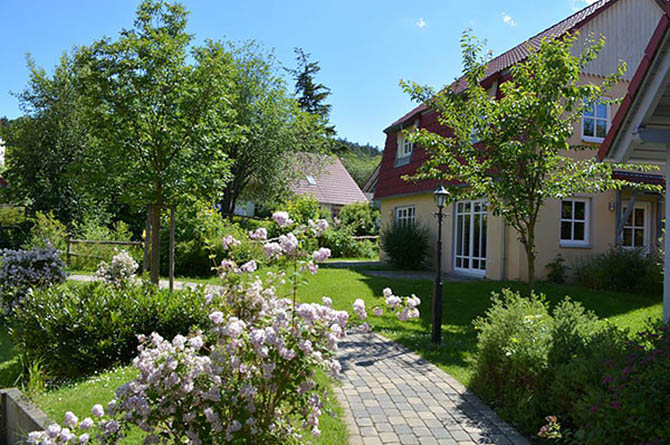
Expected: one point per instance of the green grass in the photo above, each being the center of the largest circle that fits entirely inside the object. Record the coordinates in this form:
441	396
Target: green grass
462	303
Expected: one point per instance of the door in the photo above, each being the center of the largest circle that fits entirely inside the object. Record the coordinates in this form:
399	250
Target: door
470	237
636	228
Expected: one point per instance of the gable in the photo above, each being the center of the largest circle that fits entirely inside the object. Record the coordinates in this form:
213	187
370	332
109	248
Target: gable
627	26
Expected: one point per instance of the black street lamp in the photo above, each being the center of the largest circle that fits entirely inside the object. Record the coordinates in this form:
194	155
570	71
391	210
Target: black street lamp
441	198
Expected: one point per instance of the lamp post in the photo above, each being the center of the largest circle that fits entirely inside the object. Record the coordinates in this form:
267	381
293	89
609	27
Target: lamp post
441	198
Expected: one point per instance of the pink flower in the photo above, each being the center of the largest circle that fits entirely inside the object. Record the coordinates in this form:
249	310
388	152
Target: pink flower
378	311
359	308
321	255
272	250
70	419
229	242
313	268
366	328
216	317
98	410
289	243
282	219
259	234
387	292
249	266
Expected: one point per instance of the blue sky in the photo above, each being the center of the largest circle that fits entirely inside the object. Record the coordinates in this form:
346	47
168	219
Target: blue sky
364	47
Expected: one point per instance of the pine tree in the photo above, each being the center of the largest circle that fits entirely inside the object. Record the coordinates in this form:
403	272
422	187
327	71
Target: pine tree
311	95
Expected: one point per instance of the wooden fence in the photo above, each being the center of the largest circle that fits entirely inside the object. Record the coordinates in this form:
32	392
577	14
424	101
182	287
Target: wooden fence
71	241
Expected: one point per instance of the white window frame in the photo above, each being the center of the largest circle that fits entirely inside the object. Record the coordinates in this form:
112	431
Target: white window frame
405	215
646	227
471	256
608	119
586	242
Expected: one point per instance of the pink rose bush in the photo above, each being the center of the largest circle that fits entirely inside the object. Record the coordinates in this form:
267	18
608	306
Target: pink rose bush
248	377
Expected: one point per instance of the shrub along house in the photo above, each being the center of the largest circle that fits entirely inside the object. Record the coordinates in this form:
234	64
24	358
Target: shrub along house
479	244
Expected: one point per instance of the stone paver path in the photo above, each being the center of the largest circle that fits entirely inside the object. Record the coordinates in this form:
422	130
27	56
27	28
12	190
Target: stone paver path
393	396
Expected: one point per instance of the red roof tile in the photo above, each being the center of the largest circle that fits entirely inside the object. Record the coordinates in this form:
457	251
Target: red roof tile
333	186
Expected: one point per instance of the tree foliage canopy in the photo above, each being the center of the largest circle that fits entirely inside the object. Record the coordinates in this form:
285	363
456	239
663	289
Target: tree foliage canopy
513	149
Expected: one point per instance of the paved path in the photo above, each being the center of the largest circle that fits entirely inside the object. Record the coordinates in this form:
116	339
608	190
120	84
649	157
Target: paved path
393	396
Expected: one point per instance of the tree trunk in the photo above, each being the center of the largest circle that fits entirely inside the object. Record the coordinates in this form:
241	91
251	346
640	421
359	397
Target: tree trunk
227	203
530	253
171	273
155	243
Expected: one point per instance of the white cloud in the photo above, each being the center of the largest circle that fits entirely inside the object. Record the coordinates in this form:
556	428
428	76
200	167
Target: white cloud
508	19
421	23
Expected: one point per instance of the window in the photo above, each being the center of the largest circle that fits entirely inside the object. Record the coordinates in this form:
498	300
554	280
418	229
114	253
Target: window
595	122
635	228
404	215
311	179
405	146
574	222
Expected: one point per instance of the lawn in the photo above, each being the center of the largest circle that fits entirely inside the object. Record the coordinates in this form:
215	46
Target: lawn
463	302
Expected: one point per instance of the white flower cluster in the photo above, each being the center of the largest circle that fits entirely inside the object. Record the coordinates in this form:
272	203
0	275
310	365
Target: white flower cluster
121	270
23	270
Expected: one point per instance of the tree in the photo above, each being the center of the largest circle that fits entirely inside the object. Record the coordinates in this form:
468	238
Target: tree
267	128
45	147
359	160
149	110
514	149
311	95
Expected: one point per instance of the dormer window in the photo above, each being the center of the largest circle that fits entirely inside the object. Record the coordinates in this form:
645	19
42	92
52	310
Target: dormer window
405	147
595	121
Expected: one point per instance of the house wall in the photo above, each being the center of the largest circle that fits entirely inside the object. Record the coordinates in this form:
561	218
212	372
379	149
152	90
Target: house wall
628	26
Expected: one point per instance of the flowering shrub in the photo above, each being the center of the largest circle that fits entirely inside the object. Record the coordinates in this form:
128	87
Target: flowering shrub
121	270
248	377
22	271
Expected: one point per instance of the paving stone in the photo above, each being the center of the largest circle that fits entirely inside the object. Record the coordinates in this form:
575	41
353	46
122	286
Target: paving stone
403	399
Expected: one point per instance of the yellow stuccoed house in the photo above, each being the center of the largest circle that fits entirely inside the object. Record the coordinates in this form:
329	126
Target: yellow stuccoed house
480	245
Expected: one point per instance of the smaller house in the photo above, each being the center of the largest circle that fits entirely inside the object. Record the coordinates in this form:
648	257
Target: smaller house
332	186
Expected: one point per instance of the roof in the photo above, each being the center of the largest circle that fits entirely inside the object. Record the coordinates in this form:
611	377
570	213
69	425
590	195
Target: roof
642	72
640	178
371	182
333	185
519	53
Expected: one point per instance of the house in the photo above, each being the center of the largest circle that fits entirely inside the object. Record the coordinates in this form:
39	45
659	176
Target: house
371	184
332	186
640	130
480	244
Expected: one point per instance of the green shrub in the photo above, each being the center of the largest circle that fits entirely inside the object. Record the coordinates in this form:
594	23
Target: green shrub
514	340
622	270
47	231
557	270
362	217
77	329
302	208
632	401
12	215
199	230
341	243
406	244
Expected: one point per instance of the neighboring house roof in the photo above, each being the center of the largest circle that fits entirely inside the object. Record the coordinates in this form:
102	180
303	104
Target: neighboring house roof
333	185
519	53
371	183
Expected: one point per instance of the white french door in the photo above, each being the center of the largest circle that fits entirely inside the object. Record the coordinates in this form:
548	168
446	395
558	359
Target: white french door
470	237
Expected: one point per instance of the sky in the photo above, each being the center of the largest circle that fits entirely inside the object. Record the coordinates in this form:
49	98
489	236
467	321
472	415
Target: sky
364	47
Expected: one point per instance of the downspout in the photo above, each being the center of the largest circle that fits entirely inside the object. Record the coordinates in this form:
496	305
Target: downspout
503	264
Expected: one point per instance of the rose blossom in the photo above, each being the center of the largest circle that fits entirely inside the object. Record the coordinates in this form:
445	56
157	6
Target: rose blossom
259	234
229	241
321	255
249	266
282	219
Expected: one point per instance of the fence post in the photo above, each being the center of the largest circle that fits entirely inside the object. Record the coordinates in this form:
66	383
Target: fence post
67	254
147	236
171	248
